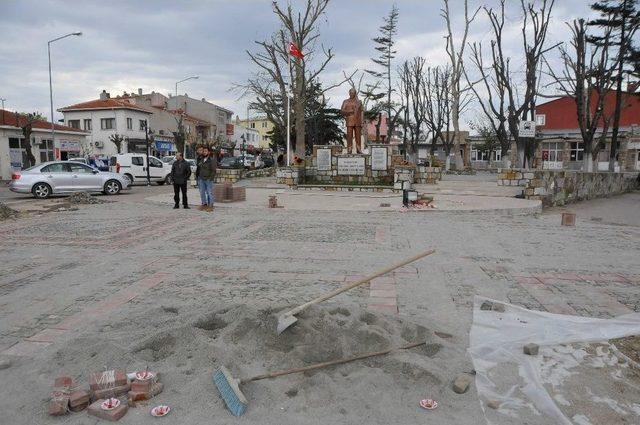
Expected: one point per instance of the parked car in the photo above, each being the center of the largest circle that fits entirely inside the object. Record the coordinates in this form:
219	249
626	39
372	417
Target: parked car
60	177
231	162
268	160
192	163
253	162
134	167
168	159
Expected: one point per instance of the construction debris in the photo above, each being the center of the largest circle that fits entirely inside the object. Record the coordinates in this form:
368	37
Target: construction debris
83	198
6	212
461	383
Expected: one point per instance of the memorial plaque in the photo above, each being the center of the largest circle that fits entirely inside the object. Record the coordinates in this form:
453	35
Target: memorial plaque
379	159
351	166
323	159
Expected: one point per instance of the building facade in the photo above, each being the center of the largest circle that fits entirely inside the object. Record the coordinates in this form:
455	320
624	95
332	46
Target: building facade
105	117
262	125
216	118
561	145
69	142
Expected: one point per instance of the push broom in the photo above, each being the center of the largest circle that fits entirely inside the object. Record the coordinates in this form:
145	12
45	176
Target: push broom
289	318
235	400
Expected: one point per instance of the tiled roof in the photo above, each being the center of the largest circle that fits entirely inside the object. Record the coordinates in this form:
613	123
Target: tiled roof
9	118
104	104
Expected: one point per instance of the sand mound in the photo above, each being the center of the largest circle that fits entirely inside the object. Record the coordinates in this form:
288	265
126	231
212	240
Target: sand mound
6	212
83	198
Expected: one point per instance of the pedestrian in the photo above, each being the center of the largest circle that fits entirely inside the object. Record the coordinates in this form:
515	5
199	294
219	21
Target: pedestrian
207	175
180	173
204	197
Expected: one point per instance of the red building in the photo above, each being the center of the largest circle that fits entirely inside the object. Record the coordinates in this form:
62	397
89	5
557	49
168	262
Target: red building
562	145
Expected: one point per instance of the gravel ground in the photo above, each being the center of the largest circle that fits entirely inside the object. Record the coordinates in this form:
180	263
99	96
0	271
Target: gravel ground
133	283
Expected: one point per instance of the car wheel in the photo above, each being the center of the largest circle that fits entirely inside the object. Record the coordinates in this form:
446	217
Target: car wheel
112	187
41	191
167	180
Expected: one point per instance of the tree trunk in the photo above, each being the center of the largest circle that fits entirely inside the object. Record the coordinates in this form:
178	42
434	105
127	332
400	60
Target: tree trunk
455	116
587	163
298	109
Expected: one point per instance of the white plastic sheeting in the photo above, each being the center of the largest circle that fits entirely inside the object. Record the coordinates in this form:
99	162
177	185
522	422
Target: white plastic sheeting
518	386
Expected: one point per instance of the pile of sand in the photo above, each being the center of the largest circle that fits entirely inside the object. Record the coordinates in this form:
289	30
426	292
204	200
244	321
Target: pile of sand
187	346
6	212
83	198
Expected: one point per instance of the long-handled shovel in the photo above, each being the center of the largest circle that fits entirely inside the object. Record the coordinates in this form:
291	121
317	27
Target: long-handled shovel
235	400
288	318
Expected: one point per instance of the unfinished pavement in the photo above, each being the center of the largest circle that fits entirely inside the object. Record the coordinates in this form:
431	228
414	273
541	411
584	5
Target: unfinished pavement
76	285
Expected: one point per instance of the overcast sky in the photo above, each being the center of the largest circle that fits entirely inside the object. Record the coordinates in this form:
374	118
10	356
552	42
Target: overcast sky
151	44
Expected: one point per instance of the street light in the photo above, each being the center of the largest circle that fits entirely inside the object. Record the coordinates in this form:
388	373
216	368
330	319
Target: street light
53	131
147	132
2	100
195	77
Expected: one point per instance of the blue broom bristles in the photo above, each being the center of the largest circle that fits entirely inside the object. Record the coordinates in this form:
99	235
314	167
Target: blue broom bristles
230	392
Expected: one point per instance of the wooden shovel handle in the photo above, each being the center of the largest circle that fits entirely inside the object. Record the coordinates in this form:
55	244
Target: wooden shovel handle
330	363
359	282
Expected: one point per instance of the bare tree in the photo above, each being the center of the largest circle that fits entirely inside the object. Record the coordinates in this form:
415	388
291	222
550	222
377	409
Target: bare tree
180	135
586	77
512	101
117	140
278	76
438	109
413	95
456	59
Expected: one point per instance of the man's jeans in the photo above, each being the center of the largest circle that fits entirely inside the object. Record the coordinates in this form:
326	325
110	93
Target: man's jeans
206	191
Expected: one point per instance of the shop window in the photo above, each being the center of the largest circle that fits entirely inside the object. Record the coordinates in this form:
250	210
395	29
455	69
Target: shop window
552	151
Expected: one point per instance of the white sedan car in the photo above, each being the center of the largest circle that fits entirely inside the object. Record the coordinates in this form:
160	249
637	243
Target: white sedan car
64	177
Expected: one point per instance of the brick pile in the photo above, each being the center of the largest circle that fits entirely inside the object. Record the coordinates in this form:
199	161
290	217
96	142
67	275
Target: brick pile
226	192
68	397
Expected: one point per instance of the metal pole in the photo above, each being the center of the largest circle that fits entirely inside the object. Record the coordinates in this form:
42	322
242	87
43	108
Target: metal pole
289	112
53	131
146	138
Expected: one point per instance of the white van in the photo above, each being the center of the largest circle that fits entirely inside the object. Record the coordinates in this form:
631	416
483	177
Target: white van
134	167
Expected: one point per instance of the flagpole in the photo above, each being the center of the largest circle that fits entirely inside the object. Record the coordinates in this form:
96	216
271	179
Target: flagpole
289	110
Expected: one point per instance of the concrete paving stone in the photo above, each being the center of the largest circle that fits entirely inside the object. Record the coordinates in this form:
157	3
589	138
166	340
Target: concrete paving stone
384	308
47	335
25	348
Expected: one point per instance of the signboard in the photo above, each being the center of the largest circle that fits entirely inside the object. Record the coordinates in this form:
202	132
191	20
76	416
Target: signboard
165	146
527	129
323	159
66	145
351	166
379	158
229	129
15	156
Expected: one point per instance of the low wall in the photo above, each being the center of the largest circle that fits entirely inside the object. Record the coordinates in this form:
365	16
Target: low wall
563	187
427	175
232	175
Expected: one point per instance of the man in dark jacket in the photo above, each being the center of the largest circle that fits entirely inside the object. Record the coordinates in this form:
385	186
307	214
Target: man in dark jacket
207	174
180	173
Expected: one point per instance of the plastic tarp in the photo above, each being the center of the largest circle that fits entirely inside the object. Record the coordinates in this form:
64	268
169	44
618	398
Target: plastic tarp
573	379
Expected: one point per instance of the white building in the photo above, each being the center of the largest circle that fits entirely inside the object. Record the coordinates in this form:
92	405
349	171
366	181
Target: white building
241	134
69	142
105	117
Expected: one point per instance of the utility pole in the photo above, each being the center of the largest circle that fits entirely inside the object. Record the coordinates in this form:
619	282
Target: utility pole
146	138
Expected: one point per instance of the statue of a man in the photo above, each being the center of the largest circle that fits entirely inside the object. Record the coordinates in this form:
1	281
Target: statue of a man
352	112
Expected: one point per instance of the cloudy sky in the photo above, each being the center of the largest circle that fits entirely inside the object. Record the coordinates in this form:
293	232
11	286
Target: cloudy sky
150	44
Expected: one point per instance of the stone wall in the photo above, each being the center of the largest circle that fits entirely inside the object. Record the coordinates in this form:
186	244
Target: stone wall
565	186
228	175
291	176
262	172
427	175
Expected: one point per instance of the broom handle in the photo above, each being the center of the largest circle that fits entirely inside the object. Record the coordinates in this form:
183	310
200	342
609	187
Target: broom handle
359	282
330	363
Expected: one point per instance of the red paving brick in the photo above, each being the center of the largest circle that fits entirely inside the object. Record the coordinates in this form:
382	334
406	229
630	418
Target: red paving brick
527	280
380	293
384	308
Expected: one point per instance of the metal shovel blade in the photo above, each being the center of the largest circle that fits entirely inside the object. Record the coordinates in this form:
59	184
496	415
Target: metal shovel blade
284	321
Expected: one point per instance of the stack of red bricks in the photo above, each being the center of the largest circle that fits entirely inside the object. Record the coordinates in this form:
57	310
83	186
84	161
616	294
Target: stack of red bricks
66	397
225	192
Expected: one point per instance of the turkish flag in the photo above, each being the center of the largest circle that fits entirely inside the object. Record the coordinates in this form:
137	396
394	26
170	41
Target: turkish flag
294	51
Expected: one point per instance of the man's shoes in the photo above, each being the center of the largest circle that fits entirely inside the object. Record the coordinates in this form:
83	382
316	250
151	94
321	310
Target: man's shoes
186	207
175	207
209	208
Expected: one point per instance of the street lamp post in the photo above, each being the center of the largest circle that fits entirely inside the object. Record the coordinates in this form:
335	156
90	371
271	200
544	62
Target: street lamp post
2	100
146	139
195	77
53	131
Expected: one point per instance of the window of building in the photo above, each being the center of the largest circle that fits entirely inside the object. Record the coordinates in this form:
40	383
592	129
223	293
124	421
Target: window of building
107	123
46	151
497	155
143	124
552	151
137	160
129	124
264	125
14	143
541	119
577	151
161	131
73	123
88	125
253	125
